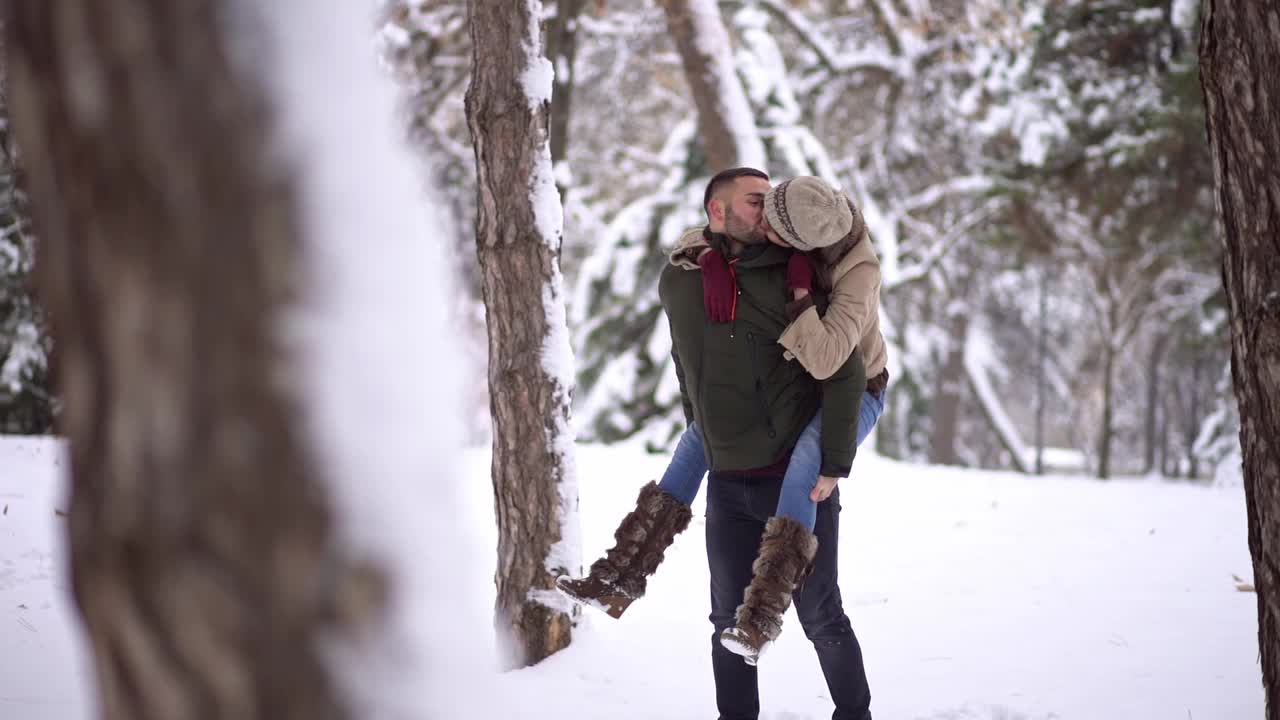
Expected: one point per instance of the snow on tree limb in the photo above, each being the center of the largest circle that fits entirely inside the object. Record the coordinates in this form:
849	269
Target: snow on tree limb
710	40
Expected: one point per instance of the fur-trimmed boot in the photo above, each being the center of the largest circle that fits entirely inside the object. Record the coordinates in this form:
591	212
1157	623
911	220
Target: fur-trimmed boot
619	578
785	558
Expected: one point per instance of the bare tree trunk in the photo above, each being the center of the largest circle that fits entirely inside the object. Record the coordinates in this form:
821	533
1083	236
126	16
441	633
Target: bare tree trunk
1165	414
725	120
521	285
1239	52
1151	427
1042	360
948	395
1108	404
202	552
562	49
1191	427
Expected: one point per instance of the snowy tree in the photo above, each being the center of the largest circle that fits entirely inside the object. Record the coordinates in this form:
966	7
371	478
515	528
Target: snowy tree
1238	54
725	120
1097	122
26	404
518	235
427	46
562	50
246	388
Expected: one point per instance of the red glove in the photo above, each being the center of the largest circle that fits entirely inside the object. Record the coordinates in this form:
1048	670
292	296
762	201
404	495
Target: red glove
800	272
719	288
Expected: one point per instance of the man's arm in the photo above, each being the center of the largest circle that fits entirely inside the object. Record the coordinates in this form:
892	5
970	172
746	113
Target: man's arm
841	401
684	394
665	280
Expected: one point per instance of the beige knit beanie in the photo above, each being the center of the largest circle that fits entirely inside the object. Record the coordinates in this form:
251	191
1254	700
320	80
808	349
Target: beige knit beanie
809	214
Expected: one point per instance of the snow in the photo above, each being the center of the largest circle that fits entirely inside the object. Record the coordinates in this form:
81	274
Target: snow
557	358
978	361
1185	13
867	57
975	595
1149	15
377	390
24	352
538	73
45	669
713	43
557	352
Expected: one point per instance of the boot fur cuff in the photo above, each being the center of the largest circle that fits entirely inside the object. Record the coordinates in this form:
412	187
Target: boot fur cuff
786	550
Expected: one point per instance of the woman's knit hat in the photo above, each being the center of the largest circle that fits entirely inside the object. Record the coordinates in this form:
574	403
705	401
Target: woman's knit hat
808	214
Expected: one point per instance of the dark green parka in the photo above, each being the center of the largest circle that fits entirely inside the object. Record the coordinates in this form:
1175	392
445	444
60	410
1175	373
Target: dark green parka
749	402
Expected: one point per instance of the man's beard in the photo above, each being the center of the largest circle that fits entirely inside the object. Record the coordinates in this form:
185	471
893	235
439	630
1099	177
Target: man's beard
741	230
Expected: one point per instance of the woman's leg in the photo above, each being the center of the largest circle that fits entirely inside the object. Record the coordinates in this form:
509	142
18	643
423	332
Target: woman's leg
688	465
868	414
802	475
806	461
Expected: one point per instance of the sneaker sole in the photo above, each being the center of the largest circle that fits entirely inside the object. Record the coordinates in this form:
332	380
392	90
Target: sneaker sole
738	647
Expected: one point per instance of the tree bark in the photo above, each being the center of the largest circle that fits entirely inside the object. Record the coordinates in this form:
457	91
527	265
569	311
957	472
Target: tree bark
725	121
948	395
1151	428
562	49
1165	414
1239	51
1108	405
202	554
520	279
1191	428
1042	361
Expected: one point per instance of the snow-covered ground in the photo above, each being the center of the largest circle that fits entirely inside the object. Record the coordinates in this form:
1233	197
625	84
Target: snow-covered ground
976	596
44	671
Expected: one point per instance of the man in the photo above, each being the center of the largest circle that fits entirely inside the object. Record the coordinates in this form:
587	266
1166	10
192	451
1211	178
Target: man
751	405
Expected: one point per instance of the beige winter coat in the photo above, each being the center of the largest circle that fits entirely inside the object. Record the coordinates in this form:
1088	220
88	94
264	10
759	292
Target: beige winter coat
823	343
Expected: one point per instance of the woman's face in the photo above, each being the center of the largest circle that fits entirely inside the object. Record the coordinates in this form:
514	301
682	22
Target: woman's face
770	234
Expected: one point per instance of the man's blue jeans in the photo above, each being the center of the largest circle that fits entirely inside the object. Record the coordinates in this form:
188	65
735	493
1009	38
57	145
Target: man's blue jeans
683	477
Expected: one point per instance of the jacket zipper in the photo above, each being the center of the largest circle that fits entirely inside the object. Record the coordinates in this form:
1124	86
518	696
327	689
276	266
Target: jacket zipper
733	309
755	369
702	391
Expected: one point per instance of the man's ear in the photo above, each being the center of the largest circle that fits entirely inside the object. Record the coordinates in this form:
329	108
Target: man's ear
715	210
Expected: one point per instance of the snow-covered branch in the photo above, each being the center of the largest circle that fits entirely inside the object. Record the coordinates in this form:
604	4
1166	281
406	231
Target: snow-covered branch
943	245
868	60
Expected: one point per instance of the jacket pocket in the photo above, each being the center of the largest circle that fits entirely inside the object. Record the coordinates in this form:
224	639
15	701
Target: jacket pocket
761	398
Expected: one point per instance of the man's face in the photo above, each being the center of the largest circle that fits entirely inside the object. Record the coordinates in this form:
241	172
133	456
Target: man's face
743	210
769	233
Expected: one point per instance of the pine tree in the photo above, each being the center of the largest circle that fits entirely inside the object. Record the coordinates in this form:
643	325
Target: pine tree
1111	163
26	404
518	232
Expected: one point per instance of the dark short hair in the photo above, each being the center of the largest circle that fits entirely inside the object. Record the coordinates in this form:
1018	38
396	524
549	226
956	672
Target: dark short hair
725	177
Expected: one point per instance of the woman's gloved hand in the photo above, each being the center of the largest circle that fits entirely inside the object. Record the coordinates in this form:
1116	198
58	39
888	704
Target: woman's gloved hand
800	272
